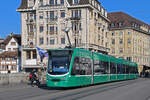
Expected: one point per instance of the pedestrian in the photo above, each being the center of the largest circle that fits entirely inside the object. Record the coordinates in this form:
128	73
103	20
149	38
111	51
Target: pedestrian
33	78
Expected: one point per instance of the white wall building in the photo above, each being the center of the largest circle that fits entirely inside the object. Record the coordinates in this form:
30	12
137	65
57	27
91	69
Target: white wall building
10	59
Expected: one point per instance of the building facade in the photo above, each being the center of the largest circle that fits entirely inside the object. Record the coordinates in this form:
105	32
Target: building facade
44	23
130	39
2	46
10	59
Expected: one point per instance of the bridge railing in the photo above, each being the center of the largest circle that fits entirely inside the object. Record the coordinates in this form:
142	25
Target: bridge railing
13	78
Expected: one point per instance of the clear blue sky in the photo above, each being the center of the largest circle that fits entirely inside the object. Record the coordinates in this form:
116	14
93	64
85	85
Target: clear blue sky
10	19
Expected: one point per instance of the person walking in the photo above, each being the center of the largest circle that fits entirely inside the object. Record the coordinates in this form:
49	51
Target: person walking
34	78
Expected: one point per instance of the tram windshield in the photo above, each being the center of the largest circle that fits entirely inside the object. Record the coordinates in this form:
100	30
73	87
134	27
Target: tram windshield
59	62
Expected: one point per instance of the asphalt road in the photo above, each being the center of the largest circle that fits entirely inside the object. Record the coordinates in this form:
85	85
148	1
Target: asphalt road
138	89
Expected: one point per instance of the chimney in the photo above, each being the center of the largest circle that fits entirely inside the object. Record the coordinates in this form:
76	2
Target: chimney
11	34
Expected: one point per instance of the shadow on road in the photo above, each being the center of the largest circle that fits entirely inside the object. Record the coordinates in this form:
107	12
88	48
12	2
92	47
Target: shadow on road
45	87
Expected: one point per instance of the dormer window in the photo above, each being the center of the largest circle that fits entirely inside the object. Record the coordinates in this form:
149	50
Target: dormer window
120	24
112	25
132	24
76	1
135	25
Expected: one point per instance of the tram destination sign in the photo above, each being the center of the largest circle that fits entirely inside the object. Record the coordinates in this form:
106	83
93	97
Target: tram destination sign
60	52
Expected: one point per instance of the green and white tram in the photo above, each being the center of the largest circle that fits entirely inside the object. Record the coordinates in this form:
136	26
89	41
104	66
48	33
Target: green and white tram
79	67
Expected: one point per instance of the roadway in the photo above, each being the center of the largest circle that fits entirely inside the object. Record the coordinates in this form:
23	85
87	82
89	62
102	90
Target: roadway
138	89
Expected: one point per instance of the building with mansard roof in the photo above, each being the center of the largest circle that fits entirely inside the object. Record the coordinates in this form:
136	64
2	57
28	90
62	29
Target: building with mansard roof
130	38
43	23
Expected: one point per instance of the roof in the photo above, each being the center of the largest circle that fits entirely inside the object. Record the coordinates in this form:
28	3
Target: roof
17	37
24	4
9	54
1	40
127	20
2	45
81	2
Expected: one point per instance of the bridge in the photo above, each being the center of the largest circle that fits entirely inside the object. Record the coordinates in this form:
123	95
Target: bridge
124	90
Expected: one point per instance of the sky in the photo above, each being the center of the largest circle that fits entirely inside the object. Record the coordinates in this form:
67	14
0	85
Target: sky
10	19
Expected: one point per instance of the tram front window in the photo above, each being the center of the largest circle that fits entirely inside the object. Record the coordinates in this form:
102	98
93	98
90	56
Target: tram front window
59	65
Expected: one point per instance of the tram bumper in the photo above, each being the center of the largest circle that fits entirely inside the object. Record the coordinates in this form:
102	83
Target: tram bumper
51	83
57	81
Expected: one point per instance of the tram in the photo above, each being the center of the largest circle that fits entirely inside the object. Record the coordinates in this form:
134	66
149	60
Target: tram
80	67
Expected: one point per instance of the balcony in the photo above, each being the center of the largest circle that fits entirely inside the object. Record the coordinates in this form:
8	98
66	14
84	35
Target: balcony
52	20
31	62
29	46
51	32
75	18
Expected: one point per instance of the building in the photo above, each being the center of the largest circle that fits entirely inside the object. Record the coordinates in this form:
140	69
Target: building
130	38
10	58
44	23
2	47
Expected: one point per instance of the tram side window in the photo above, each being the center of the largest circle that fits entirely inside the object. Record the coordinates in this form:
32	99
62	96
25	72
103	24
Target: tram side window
81	66
119	69
132	70
123	69
127	69
85	66
76	67
112	68
106	65
136	70
99	67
